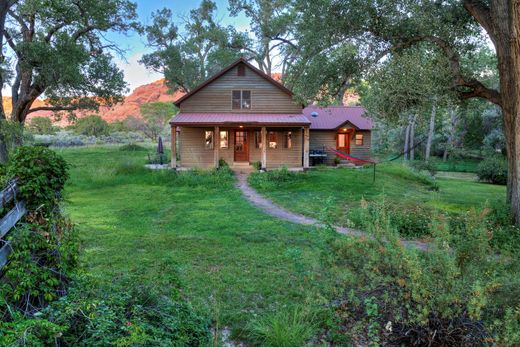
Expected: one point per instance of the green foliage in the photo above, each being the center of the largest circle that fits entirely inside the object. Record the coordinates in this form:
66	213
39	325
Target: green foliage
91	126
127	313
41	176
131	147
156	116
41	126
287	328
28	332
222	163
448	295
11	135
257	165
276	176
425	165
493	170
187	58
45	251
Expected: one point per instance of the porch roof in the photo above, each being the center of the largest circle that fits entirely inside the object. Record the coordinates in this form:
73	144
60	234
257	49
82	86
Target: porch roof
276	119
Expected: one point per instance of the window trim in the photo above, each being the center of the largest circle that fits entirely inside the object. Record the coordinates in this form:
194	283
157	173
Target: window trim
242	99
287	143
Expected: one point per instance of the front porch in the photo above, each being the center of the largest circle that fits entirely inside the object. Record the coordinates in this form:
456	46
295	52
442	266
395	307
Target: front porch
241	147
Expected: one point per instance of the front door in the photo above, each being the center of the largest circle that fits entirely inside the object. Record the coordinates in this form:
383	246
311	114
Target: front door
241	146
344	142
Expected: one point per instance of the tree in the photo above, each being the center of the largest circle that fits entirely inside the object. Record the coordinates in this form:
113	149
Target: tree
271	24
454	26
156	116
188	58
41	126
91	126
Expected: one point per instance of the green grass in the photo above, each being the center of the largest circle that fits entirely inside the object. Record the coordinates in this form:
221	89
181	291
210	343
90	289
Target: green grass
307	192
458	165
234	261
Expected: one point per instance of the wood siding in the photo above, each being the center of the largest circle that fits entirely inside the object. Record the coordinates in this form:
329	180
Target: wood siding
321	139
216	96
193	153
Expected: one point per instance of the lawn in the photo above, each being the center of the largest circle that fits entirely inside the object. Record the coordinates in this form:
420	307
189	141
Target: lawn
234	262
307	193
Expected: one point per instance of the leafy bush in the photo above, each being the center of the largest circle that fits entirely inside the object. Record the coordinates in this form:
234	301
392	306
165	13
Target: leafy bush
425	165
131	147
41	126
493	170
222	163
41	176
126	314
273	177
287	328
257	165
454	294
91	126
65	139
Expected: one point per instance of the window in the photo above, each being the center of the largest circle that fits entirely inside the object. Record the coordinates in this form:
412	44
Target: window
241	99
359	139
224	139
258	139
208	139
272	139
288	139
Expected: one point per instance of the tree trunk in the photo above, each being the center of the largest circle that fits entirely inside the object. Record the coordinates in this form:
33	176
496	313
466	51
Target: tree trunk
406	141
451	134
412	135
430	133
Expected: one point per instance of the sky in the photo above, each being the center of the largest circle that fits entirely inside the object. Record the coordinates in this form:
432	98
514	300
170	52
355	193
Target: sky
134	45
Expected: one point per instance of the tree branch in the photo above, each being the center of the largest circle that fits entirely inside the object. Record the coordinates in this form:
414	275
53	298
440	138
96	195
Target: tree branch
477	89
53	108
482	14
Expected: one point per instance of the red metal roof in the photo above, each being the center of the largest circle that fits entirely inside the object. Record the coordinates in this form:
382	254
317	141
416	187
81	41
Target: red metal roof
201	119
333	117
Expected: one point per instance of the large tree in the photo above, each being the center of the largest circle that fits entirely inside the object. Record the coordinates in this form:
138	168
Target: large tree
454	26
189	56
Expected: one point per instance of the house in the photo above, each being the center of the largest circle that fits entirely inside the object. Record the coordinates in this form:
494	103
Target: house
242	116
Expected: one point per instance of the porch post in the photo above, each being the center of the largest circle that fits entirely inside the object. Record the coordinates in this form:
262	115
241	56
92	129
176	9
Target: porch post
306	137
216	147
173	163
264	148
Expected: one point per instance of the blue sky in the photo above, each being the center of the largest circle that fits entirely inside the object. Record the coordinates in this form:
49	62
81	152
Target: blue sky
135	45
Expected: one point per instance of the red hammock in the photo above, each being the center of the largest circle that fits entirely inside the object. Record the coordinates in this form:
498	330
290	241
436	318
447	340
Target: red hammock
349	157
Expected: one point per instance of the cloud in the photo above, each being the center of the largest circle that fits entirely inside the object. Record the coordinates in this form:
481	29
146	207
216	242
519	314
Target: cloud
136	74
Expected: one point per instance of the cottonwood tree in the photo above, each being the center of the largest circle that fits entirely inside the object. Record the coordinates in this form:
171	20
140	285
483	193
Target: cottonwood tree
188	57
454	26
271	23
155	117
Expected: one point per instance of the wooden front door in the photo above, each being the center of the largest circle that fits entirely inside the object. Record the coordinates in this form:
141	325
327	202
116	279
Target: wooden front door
343	143
241	146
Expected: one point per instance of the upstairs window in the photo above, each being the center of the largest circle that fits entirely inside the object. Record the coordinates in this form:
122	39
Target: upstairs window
241	99
359	139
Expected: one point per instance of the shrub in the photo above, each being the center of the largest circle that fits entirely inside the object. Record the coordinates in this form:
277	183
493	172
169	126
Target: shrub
257	165
287	328
127	313
131	147
41	126
91	126
41	176
222	163
493	170
425	165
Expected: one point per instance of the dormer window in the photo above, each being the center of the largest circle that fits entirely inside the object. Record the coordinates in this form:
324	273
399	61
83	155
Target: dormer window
241	99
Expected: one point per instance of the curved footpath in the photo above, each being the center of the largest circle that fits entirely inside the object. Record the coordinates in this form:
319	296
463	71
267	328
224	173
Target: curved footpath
277	211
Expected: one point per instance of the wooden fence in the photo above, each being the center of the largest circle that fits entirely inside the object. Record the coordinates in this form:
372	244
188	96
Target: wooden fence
9	220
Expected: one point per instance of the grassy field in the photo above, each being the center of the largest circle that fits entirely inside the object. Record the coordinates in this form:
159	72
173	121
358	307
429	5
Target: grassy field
233	261
307	192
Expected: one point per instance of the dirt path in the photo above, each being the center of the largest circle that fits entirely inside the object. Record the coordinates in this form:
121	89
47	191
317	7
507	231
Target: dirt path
277	211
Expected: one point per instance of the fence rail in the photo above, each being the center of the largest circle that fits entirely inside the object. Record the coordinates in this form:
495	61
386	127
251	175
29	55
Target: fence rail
10	219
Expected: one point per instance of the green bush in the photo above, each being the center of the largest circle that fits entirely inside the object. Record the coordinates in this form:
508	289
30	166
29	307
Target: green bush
454	294
92	126
132	147
126	314
493	170
273	177
41	126
287	328
41	176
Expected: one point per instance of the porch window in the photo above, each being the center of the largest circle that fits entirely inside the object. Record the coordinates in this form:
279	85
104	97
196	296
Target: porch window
224	139
288	139
359	139
208	139
241	99
258	139
271	136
